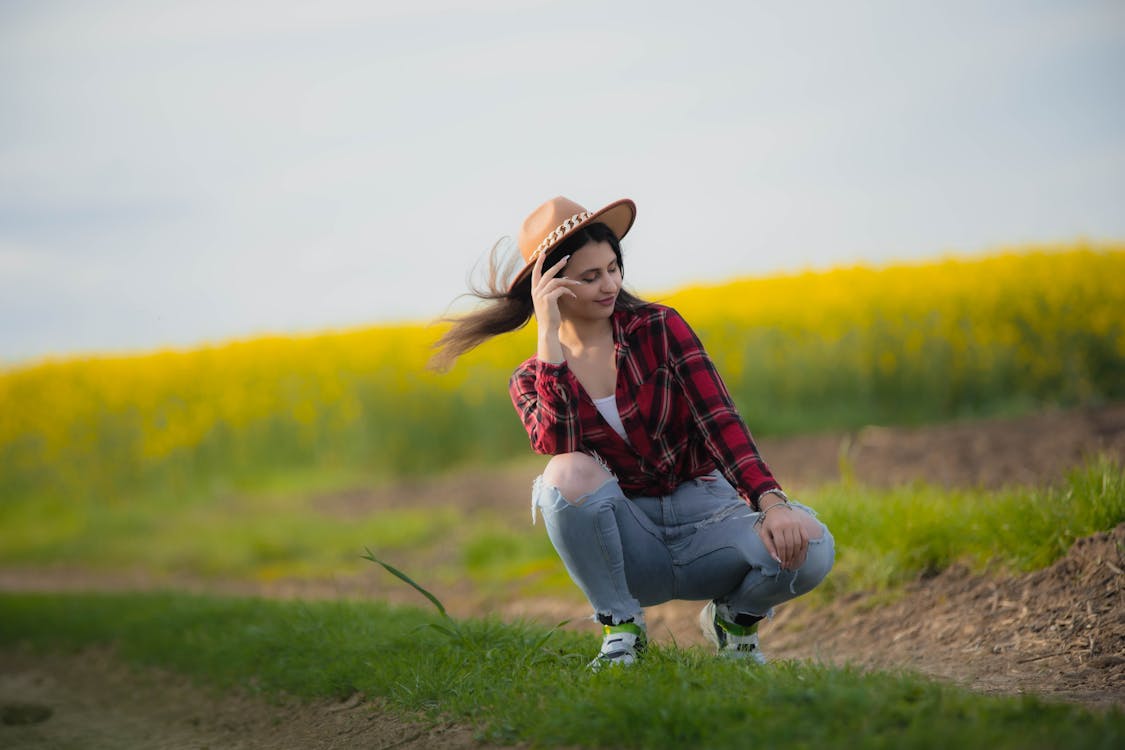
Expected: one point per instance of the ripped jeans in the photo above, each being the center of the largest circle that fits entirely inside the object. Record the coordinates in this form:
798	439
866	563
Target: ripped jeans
700	543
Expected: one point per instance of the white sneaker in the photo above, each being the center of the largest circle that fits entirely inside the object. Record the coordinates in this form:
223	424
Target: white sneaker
622	645
733	641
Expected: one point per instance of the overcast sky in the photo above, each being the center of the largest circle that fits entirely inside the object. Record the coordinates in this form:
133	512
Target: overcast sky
173	173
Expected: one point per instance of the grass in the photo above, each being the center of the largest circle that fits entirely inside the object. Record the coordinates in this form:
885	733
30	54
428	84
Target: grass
251	535
884	536
890	536
517	682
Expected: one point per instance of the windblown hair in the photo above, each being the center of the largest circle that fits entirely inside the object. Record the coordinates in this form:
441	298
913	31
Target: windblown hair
510	309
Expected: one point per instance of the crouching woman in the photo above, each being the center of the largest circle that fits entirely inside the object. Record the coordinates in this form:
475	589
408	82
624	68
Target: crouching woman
655	490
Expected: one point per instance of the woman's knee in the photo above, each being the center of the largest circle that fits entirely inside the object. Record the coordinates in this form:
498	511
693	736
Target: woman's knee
814	529
574	475
819	559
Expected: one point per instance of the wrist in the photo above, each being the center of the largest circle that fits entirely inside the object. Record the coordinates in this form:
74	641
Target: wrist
550	349
765	507
772	497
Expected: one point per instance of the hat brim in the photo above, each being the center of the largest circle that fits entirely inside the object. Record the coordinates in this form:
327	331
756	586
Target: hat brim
618	216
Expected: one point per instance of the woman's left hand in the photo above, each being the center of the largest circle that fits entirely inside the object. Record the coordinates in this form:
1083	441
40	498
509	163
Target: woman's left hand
785	536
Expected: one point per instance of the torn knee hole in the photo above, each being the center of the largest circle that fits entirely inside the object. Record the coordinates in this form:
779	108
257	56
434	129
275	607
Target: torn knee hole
814	530
581	498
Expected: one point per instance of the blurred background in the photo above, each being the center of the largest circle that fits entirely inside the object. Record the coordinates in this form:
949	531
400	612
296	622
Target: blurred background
224	227
180	173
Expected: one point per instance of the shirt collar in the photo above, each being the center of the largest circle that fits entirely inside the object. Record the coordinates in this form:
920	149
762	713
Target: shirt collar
625	322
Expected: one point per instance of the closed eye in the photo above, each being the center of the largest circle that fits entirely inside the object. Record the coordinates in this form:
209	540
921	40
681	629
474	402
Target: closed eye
592	277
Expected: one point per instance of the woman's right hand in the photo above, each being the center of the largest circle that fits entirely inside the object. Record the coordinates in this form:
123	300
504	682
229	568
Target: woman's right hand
546	288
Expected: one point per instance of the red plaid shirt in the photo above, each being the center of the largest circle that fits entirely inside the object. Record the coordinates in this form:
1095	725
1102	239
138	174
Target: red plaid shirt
679	417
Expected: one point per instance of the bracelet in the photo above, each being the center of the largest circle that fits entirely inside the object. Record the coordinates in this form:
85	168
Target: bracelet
773	491
784	502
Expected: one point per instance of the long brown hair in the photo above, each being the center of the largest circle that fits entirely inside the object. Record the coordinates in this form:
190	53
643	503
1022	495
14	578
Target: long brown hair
510	309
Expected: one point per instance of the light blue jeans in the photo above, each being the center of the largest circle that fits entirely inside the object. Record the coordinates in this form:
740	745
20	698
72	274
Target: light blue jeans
700	543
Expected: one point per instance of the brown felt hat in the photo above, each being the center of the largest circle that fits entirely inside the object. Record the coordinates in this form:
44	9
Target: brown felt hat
553	222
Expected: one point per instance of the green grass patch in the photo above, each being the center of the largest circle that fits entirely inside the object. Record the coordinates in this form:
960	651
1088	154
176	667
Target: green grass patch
887	537
252	535
518	682
502	557
883	536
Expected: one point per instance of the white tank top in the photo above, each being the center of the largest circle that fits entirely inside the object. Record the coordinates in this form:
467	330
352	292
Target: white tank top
608	408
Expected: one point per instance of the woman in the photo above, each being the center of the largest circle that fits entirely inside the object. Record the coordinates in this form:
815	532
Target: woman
655	489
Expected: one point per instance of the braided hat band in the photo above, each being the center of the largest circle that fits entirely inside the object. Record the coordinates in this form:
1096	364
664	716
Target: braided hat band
559	232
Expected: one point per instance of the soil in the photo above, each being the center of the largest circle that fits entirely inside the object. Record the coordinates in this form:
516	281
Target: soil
91	701
1058	632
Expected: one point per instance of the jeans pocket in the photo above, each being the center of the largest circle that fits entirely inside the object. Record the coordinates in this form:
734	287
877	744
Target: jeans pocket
716	485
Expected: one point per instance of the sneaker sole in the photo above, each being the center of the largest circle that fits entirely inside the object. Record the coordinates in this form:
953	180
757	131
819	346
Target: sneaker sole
708	626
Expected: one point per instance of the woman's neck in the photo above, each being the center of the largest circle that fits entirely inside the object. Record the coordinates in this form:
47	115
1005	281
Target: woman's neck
577	335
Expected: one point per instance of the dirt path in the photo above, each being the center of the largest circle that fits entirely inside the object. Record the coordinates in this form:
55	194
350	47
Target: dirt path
91	701
1058	632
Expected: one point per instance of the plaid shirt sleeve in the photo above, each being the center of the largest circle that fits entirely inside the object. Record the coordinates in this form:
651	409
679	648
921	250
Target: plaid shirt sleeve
724	434
547	401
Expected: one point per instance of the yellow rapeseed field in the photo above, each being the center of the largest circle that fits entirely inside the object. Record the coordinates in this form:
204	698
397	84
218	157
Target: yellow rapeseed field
812	350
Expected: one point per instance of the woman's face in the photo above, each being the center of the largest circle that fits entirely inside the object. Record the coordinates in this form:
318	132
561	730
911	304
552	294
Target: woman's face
595	265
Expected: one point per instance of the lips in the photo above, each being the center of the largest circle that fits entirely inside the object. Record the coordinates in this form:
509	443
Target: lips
607	301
